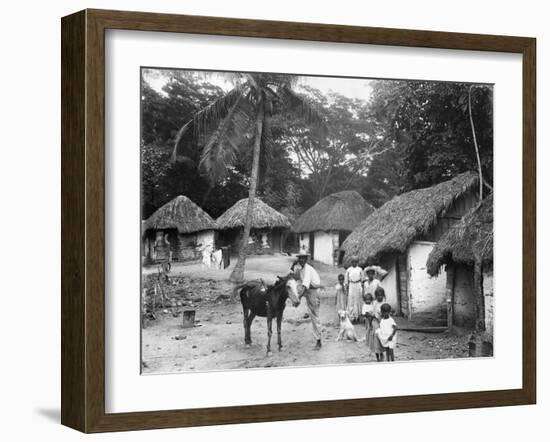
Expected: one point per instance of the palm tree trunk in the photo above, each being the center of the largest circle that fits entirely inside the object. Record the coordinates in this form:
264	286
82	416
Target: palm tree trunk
238	272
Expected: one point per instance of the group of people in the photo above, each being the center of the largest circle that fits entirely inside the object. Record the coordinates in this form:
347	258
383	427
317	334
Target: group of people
359	293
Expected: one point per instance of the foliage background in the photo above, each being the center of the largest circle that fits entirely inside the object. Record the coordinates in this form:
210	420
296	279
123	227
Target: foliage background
407	135
30	185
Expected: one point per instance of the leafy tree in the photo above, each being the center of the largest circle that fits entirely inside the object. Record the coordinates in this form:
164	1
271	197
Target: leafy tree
238	121
339	159
428	125
163	113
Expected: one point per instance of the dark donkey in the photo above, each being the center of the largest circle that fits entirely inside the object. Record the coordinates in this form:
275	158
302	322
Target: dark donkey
268	302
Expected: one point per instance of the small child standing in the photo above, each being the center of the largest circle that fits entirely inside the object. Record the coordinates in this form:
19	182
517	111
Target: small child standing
374	343
341	295
387	332
368	313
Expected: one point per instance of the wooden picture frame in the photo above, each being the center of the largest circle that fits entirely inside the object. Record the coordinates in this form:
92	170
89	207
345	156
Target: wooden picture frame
83	220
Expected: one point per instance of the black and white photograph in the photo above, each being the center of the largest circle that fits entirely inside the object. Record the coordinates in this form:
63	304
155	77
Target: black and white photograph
293	220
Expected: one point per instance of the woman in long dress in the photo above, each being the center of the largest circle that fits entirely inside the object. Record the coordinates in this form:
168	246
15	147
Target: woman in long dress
354	284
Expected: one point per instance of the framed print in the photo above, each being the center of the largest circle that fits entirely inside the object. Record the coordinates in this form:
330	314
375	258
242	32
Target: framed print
266	221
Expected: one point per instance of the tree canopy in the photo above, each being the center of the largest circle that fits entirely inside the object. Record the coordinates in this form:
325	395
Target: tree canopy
408	135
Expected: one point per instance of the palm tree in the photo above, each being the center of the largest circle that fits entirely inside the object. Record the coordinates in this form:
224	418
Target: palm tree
240	120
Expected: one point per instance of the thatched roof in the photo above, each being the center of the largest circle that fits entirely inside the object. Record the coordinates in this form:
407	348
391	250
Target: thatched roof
392	227
263	216
339	211
182	214
470	238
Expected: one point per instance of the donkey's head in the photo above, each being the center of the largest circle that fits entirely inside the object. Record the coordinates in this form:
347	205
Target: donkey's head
291	287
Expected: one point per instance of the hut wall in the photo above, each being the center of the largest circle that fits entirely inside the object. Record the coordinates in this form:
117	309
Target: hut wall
304	242
230	238
165	242
187	247
489	301
290	241
206	238
389	284
260	241
464	297
277	240
323	249
427	295
191	245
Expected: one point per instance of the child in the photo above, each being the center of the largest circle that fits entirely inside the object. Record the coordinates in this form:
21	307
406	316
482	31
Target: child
387	332
368	313
341	295
379	300
374	342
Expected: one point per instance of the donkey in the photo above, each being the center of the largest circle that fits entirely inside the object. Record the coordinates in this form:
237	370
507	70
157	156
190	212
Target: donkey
268	302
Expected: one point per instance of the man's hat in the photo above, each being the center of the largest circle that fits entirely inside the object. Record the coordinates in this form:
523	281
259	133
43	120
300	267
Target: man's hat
371	269
302	255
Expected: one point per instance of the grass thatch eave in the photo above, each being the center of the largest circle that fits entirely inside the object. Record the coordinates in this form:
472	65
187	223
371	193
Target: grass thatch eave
469	240
392	227
182	214
342	211
263	216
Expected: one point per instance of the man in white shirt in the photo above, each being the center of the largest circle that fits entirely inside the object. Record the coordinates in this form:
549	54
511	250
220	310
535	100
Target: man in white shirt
311	283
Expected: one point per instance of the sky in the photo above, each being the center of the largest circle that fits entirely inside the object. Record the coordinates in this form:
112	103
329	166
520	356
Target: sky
349	87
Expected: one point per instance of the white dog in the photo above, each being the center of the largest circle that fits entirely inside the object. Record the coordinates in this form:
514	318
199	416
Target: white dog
347	330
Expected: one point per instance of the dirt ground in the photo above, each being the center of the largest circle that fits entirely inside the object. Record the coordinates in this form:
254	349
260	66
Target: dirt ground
216	342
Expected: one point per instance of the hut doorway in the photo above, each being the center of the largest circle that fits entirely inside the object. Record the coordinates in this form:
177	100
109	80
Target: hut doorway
312	245
323	250
427	295
230	238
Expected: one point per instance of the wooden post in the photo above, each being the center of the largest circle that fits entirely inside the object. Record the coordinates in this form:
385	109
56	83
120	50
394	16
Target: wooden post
188	319
398	287
480	301
154	300
451	275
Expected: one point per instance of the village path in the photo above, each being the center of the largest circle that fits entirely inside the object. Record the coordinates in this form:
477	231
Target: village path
259	266
216	343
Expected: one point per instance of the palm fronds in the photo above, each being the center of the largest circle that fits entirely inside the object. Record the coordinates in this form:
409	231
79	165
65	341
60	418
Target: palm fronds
302	106
223	144
207	117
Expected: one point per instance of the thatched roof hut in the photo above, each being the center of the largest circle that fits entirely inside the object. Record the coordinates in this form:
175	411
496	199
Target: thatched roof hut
342	211
263	216
182	214
393	227
472	237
